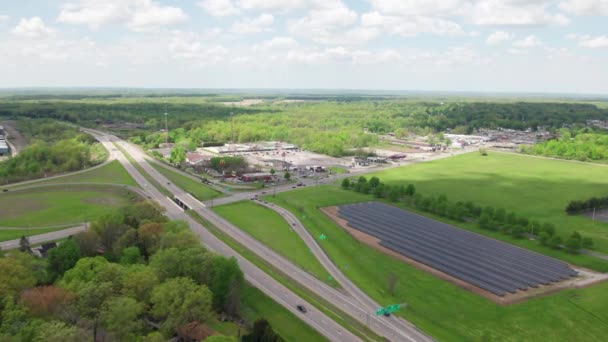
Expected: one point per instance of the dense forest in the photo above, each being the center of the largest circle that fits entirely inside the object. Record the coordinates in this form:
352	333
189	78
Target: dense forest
333	126
134	276
53	148
583	145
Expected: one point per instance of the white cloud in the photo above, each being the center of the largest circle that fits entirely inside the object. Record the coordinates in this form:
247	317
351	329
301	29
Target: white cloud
409	27
32	28
254	25
499	37
139	15
219	8
528	42
512	13
478	12
273	5
276	43
585	7
3	18
325	17
150	16
594	42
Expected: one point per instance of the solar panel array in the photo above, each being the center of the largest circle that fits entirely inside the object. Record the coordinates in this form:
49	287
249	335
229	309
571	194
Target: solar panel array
486	263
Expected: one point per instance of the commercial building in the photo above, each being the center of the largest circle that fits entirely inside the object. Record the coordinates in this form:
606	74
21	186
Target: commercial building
255	177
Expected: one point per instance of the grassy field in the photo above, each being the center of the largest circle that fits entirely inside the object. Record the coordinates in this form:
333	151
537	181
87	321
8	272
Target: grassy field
255	304
536	188
196	189
58	205
272	230
441	309
112	172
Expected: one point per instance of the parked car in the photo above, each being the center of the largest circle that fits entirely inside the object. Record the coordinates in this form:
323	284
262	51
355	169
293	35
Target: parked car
301	308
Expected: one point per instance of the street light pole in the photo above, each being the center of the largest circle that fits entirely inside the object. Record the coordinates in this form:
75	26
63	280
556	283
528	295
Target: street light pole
166	125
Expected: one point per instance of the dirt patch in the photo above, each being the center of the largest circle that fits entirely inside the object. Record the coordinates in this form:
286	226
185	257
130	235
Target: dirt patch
585	278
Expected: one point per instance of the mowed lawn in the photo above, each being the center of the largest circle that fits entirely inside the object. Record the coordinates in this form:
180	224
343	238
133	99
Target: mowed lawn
196	189
533	187
255	305
59	205
439	308
272	230
112	172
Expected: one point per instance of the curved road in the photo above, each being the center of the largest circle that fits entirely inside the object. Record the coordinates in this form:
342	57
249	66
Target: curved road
383	326
333	270
40	238
275	290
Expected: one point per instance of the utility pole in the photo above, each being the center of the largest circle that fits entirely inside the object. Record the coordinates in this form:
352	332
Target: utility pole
232	126
166	125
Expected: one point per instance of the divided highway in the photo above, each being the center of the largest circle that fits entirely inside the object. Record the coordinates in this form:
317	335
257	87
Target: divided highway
272	288
391	329
333	270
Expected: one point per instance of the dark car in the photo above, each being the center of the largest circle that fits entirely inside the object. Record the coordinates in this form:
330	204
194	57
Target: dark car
300	184
301	308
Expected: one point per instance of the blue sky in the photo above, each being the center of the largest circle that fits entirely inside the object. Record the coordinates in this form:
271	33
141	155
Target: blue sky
446	45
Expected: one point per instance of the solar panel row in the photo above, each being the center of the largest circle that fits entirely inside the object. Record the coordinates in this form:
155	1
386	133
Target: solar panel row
489	264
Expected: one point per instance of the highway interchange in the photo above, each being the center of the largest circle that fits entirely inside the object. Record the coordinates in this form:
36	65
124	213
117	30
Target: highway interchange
349	300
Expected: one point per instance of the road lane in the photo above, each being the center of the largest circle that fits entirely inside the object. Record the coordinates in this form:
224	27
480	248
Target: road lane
253	274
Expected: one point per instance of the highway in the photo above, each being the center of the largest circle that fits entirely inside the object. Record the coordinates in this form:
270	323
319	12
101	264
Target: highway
333	270
40	238
390	328
272	288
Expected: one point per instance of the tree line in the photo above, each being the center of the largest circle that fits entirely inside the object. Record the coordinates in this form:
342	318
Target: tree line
487	218
133	276
54	148
581	145
578	206
332	126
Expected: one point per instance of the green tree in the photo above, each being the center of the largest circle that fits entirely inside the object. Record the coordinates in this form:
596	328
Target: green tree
91	296
24	244
88	242
62	258
130	256
55	331
555	242
587	243
374	182
345	183
138	281
262	332
410	190
226	284
544	238
109	228
15	277
574	243
179	301
122	317
394	194
287	175
194	263
273	171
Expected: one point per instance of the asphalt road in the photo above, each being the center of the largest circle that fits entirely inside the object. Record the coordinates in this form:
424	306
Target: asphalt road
40	238
333	270
383	326
282	295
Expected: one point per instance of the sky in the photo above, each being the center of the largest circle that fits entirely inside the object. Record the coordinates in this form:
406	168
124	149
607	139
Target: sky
437	45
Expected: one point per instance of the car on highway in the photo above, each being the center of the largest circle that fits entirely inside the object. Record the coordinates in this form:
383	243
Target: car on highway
301	308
